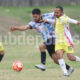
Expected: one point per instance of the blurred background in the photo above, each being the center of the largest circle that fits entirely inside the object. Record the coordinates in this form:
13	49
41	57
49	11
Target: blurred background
37	2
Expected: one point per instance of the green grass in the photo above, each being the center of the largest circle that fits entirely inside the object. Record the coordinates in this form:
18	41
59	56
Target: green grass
30	56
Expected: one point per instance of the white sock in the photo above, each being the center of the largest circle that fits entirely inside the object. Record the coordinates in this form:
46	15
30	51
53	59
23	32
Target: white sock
62	65
77	59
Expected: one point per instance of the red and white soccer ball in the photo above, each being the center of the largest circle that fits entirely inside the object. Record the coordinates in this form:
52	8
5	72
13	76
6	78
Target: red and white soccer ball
17	66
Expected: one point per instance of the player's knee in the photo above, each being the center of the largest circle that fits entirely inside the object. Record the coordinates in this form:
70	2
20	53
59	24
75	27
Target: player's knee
59	54
71	58
55	59
2	52
41	47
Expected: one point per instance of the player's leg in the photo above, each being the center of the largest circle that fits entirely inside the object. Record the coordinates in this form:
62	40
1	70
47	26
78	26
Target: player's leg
60	52
1	55
1	51
42	48
42	66
70	54
61	61
71	57
51	51
55	59
69	68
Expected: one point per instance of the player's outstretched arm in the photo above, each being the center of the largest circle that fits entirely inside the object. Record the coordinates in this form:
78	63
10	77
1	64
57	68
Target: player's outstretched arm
74	21
22	28
51	21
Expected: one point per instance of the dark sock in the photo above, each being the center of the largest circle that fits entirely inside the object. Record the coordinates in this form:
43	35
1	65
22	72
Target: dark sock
67	67
43	58
1	57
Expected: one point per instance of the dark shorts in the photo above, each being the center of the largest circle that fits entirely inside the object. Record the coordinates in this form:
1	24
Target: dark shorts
50	45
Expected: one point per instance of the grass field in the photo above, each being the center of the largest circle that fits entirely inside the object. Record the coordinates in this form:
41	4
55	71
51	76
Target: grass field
29	55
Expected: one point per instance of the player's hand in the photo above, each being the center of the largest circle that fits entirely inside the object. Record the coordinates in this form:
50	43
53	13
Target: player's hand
13	29
43	20
78	23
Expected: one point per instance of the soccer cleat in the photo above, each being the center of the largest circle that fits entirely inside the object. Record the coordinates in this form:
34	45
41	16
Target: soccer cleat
41	67
66	75
71	70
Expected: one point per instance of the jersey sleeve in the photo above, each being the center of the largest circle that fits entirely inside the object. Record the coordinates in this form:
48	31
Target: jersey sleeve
49	15
68	20
72	21
32	24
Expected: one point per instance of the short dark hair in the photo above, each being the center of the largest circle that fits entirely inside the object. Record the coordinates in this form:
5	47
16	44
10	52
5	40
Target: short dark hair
60	7
36	11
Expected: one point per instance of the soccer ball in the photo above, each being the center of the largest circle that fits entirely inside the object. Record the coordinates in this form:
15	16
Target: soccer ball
17	66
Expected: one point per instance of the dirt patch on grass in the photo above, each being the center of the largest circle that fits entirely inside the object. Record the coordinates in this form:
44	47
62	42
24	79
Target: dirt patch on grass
6	22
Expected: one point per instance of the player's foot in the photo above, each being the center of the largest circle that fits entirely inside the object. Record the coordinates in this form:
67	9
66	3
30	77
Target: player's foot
66	75
71	70
41	67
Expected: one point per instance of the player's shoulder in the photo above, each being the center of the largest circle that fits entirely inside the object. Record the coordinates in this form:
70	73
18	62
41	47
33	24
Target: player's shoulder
64	17
48	14
32	22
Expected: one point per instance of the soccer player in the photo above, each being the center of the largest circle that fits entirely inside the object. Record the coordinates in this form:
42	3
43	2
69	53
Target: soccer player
1	51
42	66
44	25
64	41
